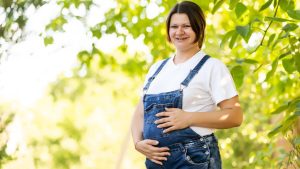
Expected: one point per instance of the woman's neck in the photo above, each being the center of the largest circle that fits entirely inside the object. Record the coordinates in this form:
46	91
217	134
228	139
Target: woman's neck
183	55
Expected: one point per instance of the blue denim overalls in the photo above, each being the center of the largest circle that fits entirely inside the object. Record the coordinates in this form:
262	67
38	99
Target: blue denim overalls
188	149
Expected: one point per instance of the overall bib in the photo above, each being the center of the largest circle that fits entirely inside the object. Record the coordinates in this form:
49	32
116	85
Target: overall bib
188	149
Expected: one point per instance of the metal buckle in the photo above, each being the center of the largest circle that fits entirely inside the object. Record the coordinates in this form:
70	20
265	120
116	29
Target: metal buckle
182	87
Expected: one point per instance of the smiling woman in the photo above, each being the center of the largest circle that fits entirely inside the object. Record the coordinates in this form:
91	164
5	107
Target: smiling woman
173	125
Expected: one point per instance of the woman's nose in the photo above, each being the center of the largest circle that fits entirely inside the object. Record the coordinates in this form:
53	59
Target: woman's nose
180	30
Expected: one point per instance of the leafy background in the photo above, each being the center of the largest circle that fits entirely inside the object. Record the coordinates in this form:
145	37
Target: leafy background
83	119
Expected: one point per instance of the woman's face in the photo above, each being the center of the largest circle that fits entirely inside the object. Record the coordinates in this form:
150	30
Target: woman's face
181	32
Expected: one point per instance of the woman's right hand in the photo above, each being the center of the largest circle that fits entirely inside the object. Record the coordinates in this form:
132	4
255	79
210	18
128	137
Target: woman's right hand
153	153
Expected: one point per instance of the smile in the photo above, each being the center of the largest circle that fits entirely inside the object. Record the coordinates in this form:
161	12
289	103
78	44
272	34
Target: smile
181	38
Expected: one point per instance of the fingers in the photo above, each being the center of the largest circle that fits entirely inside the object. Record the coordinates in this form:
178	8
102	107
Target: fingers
165	125
157	162
162	154
162	120
160	114
159	157
152	142
169	129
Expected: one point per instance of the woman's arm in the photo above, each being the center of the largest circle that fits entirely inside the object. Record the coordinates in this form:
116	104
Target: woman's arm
137	123
147	146
230	115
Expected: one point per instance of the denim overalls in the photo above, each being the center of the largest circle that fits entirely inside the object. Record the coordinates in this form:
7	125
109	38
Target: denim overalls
188	149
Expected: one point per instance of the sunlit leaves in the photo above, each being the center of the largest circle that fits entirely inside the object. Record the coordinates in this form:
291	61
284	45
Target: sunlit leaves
290	27
240	9
233	4
295	46
295	14
226	38
6	3
238	75
233	39
271	38
244	31
277	19
272	71
266	5
217	5
76	3
287	5
251	61
57	24
289	65
48	40
292	112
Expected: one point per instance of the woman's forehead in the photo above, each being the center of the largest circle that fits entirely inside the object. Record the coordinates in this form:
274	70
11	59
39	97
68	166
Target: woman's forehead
180	18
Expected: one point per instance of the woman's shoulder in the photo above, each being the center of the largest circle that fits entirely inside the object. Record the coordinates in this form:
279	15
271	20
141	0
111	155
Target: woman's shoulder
156	64
214	62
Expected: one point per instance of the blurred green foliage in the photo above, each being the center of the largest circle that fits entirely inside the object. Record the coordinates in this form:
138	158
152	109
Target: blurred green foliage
84	123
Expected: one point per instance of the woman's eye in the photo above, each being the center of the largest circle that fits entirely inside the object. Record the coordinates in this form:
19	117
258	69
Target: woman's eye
186	26
174	26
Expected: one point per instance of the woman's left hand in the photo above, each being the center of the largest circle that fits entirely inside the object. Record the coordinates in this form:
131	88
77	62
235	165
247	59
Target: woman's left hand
173	119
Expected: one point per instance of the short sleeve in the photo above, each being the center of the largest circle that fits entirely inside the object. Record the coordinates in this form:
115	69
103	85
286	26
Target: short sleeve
221	83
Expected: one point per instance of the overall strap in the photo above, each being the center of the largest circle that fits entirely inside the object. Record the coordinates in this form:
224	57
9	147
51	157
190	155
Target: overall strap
154	75
193	72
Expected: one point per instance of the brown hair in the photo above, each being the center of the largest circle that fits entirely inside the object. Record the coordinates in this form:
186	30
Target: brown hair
196	18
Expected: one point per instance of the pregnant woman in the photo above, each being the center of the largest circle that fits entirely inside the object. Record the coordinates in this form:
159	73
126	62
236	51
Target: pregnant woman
185	98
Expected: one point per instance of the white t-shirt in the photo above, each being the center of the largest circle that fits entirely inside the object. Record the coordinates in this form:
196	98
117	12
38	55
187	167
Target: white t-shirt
211	85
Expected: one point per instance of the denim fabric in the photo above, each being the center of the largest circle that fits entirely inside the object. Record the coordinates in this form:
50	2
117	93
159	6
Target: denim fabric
188	149
200	153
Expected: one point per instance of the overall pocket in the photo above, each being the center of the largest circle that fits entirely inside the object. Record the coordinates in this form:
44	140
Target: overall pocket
197	153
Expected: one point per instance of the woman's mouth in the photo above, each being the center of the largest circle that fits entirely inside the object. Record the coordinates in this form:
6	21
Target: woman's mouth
181	39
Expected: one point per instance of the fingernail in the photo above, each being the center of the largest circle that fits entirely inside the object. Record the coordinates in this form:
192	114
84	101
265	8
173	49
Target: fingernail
155	122
158	126
156	142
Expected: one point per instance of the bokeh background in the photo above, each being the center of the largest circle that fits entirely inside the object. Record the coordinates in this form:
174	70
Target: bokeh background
71	73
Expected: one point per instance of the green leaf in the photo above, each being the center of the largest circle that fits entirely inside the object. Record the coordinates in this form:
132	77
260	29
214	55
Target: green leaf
287	5
297	111
57	23
271	38
233	39
266	5
250	61
297	141
276	19
295	46
297	61
96	33
244	31
280	109
274	67
238	75
217	6
284	55
289	65
240	9
275	3
275	131
232	4
226	38
295	14
48	40
6	3
290	27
